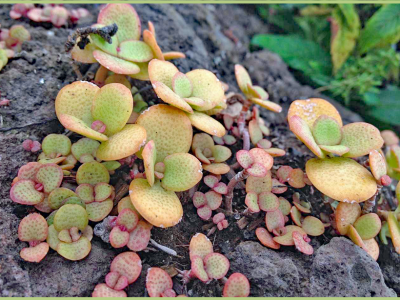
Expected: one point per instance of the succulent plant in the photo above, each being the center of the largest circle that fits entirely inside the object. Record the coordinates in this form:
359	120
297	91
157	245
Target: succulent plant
123	53
11	42
237	285
159	283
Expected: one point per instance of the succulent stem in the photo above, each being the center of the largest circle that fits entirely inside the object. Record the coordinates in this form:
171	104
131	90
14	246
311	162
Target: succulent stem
369	205
242	175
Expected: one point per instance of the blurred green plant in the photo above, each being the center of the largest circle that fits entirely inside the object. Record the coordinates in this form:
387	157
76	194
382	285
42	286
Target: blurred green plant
346	50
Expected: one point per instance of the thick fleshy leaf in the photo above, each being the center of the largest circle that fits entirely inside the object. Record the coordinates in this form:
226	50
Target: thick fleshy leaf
313	226
143	73
35	254
76	125
173	55
118	78
275	152
50	175
272	106
58	195
200	246
261	157
111	165
274	220
92	173
136	51
237	286
126	203
214	200
202	141
162	71
252	202
377	164
159	207
206	123
259	185
150	39
170	97
122	144
372	248
126	18
217	168
368	226
346	214
337	149
76	100
102	290
52	238
44	206
84	146
310	110
242	78
127	218
287	238
389	137
266	239
54	144
278	187
361	138
149	155
75	251
127	264
33	228
302	130
139	238
115	64
24	192
102	191
216	265
283	173
84	56
195	102
28	171
295	215
207	87
259	92
97	211
157	281
118	238
199	199
102	44
255	132
394	228
342	179
169	128
70	215
326	131
245	158
354	236
181	85
211	181
221	153
296	178
182	172
301	244
204	212
268	201
197	267
284	206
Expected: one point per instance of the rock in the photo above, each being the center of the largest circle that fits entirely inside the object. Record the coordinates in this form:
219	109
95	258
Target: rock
337	269
389	261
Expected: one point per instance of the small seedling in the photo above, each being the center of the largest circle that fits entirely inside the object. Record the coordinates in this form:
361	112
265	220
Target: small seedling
237	286
159	283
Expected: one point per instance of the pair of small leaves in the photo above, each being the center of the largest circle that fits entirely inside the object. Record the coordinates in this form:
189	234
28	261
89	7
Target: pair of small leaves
207	152
206	203
256	162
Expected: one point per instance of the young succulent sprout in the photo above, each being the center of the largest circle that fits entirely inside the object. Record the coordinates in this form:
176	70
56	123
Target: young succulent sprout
237	286
216	265
394	229
139	238
206	203
266	239
200	246
35	180
33	229
158	206
32	146
220	221
19	10
159	283
84	150
103	290
368	226
213	182
127	264
126	222
207	152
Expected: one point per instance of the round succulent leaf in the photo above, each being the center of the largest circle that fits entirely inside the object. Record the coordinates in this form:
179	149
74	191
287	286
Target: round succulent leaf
245	158
76	250
200	246
126	18
76	125
85	192
302	131
127	218
372	248
216	265
361	138
368	226
52	238
111	165
210	181
301	244
389	137
56	161
229	139
35	254
56	144
337	149
327	131
197	267
354	236
44	206
195	103
157	281
136	51
182	172
97	211
394	229
76	100
268	201
24	192
139	238
275	152
274	220
169	128
88	232
346	214
261	93
342	179
118	238
118	78
296	178
70	215
206	86
182	85
150	39
284	206
170	97
28	171
267	104
302	208
221	188
84	146
261	157
311	109
126	203
115	64
143	74
264	144
162	71
149	155
217	168
266	239
295	215
33	227
202	141
170	55
20	33
377	164
102	290
278	187
92	173
237	286
259	185
199	199
112	279
102	44
242	77
50	175
204	212
255	132
64	236
206	123
313	226
74	200
287	238
214	200
221	153
159	207
102	191
283	173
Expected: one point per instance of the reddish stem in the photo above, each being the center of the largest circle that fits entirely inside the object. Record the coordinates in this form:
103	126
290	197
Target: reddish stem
242	175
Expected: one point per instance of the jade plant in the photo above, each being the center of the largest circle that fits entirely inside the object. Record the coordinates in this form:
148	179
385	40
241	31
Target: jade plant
121	52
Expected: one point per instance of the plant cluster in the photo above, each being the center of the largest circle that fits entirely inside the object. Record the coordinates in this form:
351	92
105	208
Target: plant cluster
11	41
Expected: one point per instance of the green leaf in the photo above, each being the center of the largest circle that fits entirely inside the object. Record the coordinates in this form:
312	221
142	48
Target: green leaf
388	110
345	27
298	53
382	29
280	16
